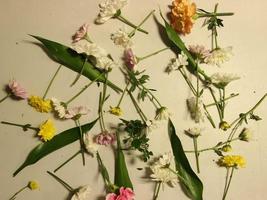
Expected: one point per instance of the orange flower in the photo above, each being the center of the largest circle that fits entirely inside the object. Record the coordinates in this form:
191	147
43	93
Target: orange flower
181	16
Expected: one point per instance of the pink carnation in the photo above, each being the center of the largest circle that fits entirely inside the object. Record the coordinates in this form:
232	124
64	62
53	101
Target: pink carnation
17	90
105	138
80	33
76	112
125	194
130	58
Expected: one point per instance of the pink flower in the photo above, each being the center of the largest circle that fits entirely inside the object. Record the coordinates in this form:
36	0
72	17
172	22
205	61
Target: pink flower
125	194
129	58
80	33
76	112
105	138
17	90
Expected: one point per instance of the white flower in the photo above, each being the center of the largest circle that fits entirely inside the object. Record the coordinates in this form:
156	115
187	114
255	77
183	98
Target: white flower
196	110
83	193
90	49
121	38
176	63
59	108
182	59
76	112
162	114
105	63
219	56
165	159
194	132
222	79
90	145
199	51
108	9
245	135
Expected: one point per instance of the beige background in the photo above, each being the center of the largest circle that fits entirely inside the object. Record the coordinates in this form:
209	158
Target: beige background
57	20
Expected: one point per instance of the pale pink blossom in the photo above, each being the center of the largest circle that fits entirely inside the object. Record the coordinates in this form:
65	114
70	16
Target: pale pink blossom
76	112
105	138
129	58
199	51
125	194
17	90
80	33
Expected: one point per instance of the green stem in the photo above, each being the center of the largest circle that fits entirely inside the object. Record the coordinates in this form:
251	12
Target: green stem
216	103
156	192
24	127
196	153
152	96
51	81
82	145
227	185
66	185
209	116
143	21
79	74
8	95
187	81
103	171
225	99
123	93
126	21
200	15
67	161
152	54
138	109
14	196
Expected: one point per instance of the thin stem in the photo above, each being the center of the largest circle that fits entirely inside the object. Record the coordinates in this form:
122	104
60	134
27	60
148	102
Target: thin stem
188	81
196	153
80	73
200	15
14	196
216	103
25	126
103	170
99	112
138	109
156	192
152	54
51	81
126	21
209	116
85	87
4	98
225	99
152	96
123	93
143	21
82	145
67	161
229	182
66	185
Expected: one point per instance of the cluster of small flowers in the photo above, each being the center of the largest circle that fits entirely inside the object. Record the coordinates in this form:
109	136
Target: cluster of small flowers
124	194
235	161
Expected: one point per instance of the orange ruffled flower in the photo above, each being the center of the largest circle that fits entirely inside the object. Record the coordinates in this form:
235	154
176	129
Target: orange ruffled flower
182	16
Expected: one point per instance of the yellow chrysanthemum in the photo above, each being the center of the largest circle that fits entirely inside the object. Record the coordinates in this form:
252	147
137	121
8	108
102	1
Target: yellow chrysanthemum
40	104
232	161
182	16
33	185
115	111
47	130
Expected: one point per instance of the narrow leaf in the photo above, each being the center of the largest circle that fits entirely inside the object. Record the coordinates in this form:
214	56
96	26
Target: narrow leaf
60	140
190	182
74	61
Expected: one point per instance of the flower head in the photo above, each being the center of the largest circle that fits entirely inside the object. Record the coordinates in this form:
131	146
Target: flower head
199	52
40	104
115	111
196	110
224	125
47	130
80	33
125	194
83	193
76	112
245	135
17	90
105	138
90	144
227	148
130	59
33	185
222	80
108	9
162	113
105	63
235	161
59	108
219	56
90	49
182	16
193	132
121	38
176	63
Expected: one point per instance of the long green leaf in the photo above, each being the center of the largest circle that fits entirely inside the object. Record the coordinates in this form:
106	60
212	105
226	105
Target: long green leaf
192	184
69	58
122	178
60	140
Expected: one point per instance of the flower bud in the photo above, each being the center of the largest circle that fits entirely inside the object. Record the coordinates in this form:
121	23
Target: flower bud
245	135
227	148
33	185
224	125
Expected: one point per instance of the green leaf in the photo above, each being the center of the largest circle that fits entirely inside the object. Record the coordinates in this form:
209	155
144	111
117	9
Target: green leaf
74	61
192	184
122	178
60	140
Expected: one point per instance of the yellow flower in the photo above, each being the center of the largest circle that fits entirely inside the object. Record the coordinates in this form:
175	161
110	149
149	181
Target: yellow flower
227	148
224	125
33	185
182	16
232	161
47	130
40	104
115	111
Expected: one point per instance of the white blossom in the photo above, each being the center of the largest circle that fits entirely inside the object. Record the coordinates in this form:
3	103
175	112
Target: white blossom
83	193
162	113
196	110
194	132
76	112
59	108
222	79
105	63
121	38
219	56
90	49
176	63
90	145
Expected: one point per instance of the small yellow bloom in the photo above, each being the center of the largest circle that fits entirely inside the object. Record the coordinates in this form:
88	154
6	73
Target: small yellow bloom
47	130
115	111
227	148
40	104
224	125
232	161
182	16
33	185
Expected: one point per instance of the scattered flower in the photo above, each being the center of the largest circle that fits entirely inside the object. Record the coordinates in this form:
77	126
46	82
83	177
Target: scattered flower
162	113
245	135
33	185
235	161
199	52
105	138
105	63
90	49
17	90
47	130
125	194
90	144
59	108
224	125
80	33
196	111
222	80
176	63
76	112
83	193
193	132
182	16
165	160
130	59
121	38
219	56
108	9
227	148
41	105
115	111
